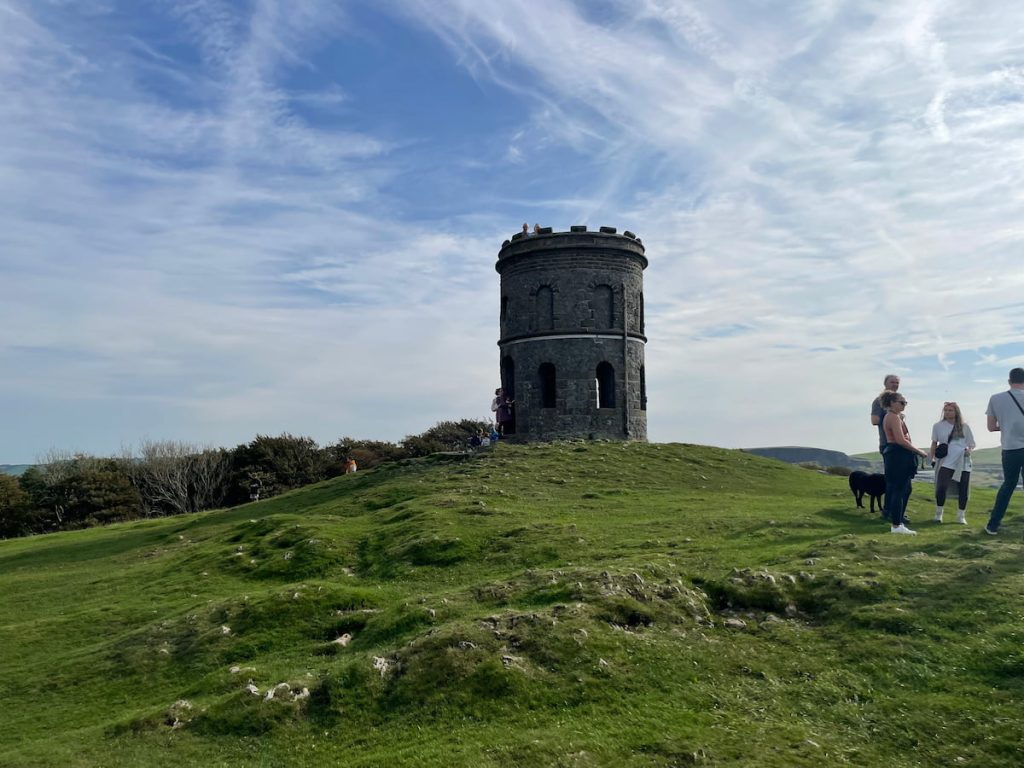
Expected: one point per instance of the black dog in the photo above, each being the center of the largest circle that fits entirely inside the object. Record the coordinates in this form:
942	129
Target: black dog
872	485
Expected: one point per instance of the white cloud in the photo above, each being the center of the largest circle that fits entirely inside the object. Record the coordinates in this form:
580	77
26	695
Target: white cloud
827	192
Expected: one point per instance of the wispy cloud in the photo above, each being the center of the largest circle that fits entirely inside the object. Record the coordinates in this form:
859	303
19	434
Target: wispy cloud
846	174
204	211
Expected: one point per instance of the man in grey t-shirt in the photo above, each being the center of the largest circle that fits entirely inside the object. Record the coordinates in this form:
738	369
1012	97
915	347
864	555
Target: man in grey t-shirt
1006	416
890	382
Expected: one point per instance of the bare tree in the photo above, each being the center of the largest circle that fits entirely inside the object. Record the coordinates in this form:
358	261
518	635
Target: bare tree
210	470
178	478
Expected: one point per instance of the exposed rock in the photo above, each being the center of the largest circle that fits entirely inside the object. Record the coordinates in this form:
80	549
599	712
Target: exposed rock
343	640
225	629
179	713
278	690
251	688
382	665
735	623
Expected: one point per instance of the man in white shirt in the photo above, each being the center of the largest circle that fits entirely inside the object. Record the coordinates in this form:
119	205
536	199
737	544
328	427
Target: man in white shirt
1006	416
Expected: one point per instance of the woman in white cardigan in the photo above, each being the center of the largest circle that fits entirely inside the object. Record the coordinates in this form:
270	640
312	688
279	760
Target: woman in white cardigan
955	466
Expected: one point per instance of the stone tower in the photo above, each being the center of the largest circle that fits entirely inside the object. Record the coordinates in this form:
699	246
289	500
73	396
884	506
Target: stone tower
572	334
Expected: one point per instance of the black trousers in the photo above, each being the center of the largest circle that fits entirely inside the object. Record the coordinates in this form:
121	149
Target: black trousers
900	468
942	480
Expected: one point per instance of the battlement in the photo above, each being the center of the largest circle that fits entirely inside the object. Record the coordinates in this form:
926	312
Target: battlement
575	228
578	238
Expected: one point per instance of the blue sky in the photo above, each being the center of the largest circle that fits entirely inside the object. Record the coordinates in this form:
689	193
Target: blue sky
219	219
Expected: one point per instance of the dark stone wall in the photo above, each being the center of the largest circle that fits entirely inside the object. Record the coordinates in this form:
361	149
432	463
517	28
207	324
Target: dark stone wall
565	298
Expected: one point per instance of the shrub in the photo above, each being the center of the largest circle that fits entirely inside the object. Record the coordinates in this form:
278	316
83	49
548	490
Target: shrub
367	453
15	508
80	490
279	463
443	436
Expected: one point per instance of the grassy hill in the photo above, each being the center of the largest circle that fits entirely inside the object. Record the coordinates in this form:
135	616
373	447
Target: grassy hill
562	605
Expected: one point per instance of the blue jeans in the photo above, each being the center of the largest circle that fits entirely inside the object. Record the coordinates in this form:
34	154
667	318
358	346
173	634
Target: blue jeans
1013	466
900	468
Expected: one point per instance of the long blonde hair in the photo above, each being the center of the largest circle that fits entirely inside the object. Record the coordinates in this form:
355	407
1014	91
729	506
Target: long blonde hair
958	419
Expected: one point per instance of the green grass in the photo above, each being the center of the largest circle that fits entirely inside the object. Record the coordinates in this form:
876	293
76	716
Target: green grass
574	604
986	456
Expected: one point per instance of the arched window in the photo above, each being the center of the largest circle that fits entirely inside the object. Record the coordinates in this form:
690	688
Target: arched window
508	376
546	385
603	306
545	309
643	388
605	386
504	308
508	383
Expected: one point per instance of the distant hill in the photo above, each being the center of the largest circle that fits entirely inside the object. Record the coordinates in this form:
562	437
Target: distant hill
982	456
792	454
13	469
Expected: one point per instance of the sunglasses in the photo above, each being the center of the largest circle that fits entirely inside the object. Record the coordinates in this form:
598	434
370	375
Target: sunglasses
904	402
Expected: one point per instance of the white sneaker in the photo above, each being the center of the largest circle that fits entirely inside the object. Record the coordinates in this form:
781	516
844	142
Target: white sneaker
961	517
938	517
902	529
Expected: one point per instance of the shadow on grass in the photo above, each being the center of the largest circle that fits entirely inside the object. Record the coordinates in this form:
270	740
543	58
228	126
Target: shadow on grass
60	549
